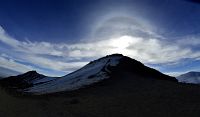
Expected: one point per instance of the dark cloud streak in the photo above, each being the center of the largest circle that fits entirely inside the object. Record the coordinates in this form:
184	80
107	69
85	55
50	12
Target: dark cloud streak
194	1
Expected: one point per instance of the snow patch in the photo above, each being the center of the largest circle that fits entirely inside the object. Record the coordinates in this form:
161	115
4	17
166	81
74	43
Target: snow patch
42	80
91	73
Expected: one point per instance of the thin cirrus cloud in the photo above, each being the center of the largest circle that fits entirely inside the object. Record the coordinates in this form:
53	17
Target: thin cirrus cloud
190	41
27	55
10	63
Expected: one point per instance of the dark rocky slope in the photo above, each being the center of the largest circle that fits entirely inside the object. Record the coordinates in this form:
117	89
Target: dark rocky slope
21	81
123	95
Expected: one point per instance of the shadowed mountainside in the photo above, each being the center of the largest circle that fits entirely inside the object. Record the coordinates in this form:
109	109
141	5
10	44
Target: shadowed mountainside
122	95
132	90
21	81
92	73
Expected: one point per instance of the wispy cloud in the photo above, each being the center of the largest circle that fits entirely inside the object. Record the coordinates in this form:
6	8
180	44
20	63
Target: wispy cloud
10	63
189	41
149	49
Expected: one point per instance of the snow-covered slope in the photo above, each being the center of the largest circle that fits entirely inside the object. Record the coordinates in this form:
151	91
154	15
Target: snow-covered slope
190	77
93	72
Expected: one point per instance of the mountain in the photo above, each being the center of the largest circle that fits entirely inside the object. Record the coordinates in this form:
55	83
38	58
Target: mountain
190	77
92	73
118	86
4	72
26	80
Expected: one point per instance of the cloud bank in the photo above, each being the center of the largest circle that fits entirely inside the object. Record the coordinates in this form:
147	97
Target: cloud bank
26	55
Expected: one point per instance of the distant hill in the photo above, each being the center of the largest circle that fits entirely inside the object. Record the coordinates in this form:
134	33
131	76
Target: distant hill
25	80
190	77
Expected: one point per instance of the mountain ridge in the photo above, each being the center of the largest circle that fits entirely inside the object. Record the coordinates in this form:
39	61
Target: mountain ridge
94	72
23	80
192	77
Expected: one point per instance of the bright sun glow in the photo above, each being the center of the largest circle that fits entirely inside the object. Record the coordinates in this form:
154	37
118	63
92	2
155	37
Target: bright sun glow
121	44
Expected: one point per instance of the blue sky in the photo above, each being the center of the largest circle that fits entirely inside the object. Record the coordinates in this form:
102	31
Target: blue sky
58	37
